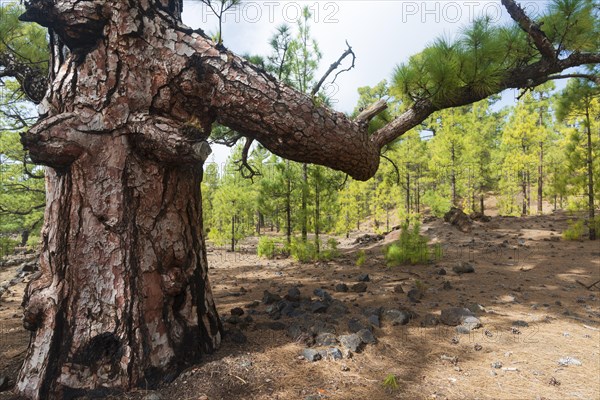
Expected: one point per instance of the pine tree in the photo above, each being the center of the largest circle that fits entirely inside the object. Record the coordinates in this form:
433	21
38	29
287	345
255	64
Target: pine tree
579	103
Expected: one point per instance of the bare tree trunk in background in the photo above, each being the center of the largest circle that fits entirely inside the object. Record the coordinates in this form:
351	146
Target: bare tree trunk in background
540	188
304	203
590	173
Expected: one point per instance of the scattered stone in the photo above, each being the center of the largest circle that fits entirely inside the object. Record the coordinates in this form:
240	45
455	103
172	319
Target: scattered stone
270	298
455	315
447	285
153	396
363	278
397	317
253	304
341	287
374	321
351	342
237	336
366	238
493	373
463	330
290	309
497	365
360	287
366	336
326	339
471	323
321	327
441	271
554	382
515	331
293	294
455	340
337	309
477	347
520	323
295	331
237	311
344	368
355	325
318	307
430	320
476	308
311	355
323	295
415	295
398	289
368	311
566	361
334	354
464	268
458	218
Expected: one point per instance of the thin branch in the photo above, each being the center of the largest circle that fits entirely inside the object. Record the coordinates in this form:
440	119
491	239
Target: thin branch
333	67
229	142
6	211
244	165
395	168
541	41
340	187
591	77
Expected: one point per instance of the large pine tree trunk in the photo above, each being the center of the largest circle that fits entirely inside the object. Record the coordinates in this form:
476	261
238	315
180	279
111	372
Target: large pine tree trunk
123	298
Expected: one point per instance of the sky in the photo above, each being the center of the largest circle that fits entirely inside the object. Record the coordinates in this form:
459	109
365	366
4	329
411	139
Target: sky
382	33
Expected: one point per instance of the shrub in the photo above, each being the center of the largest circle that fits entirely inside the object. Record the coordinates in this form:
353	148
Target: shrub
574	231
270	248
391	382
7	245
438	204
302	251
411	247
330	251
361	257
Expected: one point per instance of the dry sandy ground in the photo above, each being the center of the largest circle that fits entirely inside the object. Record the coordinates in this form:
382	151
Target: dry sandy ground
521	273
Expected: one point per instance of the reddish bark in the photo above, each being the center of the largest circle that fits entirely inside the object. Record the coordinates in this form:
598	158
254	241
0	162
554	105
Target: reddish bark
123	298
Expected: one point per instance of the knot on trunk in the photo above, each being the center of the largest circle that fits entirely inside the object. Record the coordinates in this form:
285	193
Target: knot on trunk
169	141
78	23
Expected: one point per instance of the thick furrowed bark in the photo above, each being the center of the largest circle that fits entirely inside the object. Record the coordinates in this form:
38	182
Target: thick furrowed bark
123	299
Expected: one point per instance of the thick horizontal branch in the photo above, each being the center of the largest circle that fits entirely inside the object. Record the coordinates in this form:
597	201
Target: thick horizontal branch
286	122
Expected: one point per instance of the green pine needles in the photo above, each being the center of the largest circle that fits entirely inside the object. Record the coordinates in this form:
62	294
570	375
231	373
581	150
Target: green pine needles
411	248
